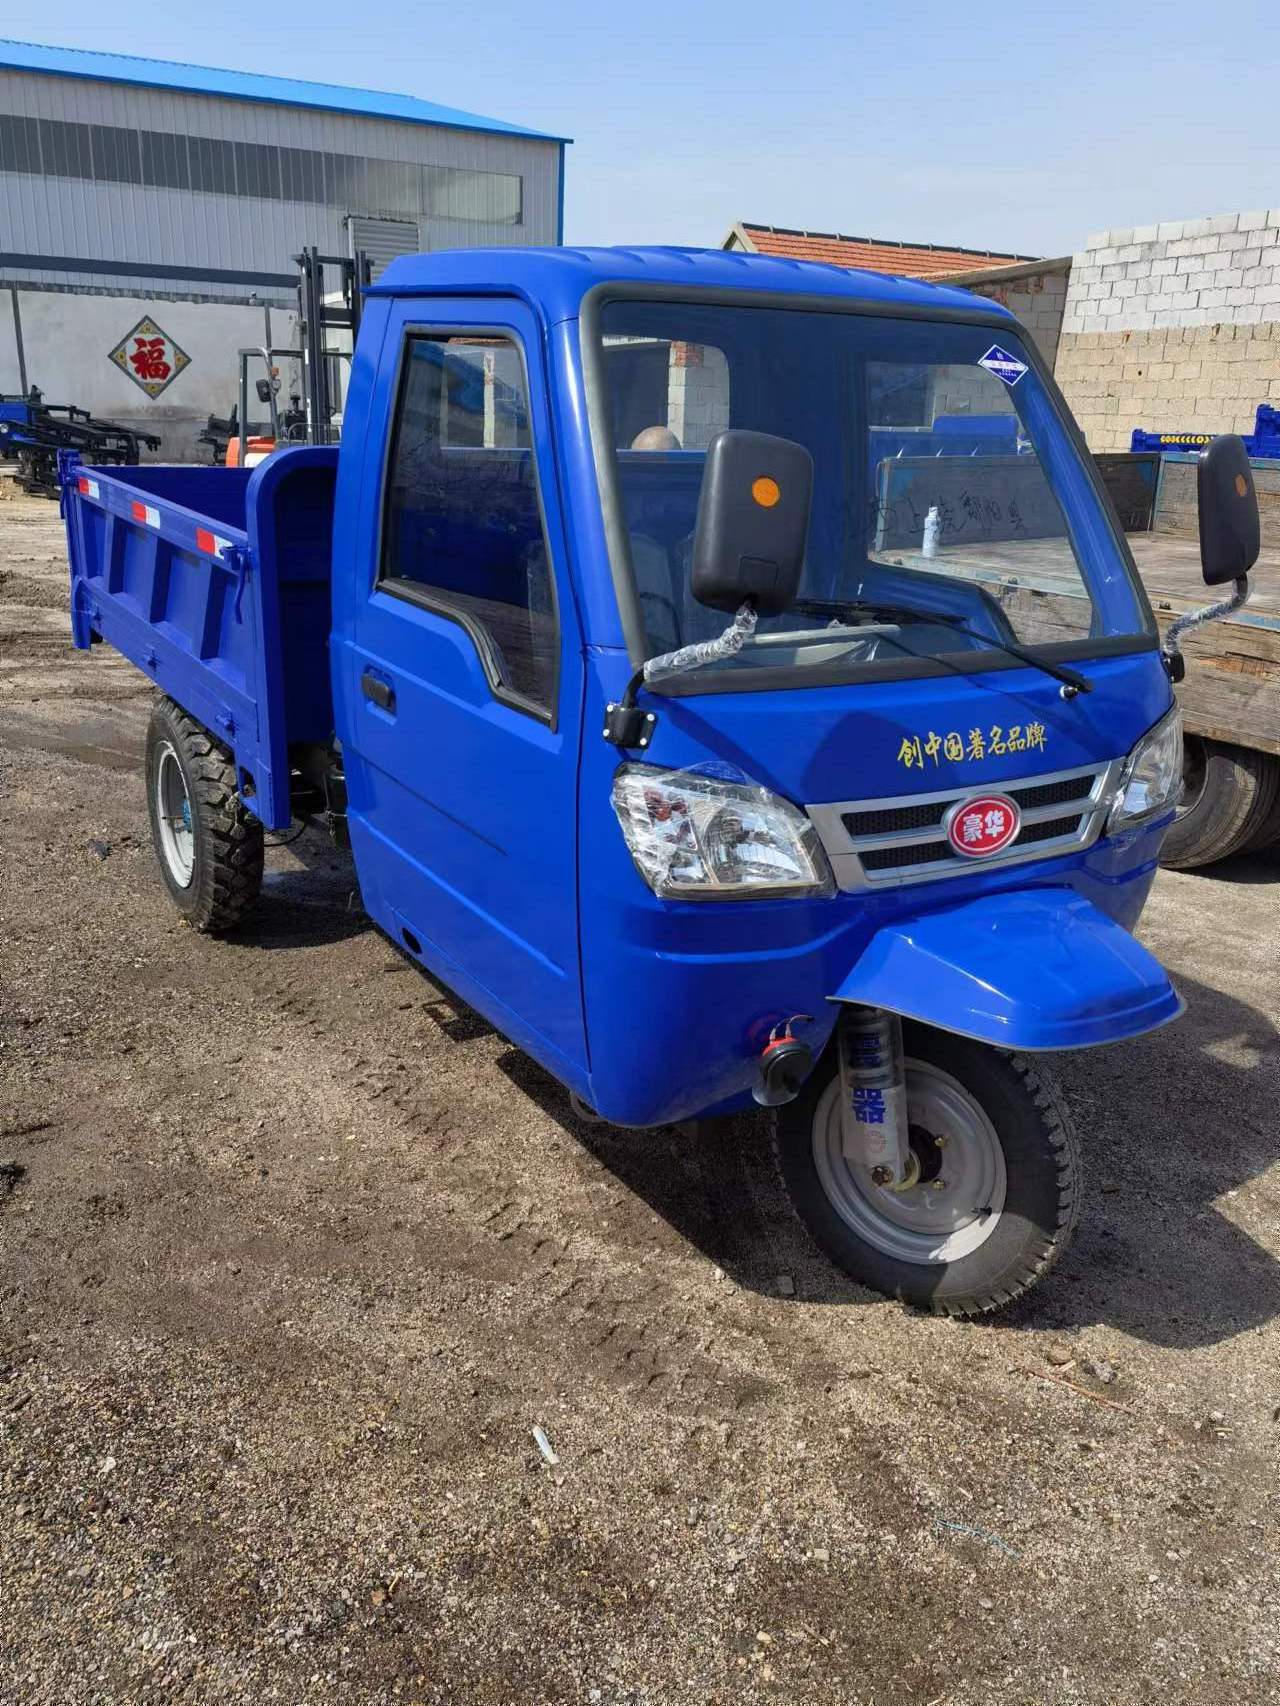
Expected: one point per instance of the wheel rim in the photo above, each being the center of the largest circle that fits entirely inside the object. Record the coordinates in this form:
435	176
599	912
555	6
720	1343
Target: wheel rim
1194	775
173	815
923	1224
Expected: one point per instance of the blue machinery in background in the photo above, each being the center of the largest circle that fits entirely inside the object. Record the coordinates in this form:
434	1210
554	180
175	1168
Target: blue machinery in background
32	432
1262	443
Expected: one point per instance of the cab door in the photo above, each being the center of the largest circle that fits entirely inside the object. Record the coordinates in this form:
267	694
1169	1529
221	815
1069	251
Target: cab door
462	687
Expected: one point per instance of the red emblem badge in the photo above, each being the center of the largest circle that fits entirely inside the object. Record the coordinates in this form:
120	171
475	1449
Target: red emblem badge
983	824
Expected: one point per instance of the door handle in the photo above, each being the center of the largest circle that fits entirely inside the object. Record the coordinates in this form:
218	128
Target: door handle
382	693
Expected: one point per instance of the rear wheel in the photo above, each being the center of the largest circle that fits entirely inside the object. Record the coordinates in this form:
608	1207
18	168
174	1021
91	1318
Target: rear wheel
1267	834
1228	794
208	847
994	1188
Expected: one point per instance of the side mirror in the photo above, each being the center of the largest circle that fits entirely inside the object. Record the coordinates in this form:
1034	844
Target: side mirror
1230	531
753	522
263	387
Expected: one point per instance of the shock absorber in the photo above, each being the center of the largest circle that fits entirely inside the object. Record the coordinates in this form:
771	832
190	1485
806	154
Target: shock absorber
873	1101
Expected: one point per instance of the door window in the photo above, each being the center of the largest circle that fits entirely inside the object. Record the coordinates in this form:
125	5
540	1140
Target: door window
462	530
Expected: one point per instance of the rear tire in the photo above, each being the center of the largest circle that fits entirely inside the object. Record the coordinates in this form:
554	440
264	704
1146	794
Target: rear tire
1006	1137
208	847
1228	794
1267	834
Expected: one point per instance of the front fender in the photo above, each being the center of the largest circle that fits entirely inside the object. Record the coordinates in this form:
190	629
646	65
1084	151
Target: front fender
1032	969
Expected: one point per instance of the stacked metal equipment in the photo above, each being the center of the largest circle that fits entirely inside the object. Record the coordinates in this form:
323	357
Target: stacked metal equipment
32	432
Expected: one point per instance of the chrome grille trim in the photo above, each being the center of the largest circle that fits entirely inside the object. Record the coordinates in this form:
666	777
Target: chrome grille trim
845	851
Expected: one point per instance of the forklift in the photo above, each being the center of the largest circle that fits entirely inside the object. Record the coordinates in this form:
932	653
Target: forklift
314	415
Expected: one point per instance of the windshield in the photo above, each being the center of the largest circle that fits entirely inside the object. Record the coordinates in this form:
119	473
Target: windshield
945	486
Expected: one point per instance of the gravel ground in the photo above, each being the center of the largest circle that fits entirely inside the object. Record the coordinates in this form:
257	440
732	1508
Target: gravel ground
295	1252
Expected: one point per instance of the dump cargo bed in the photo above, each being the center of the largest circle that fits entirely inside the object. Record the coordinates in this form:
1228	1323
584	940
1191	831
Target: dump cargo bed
215	583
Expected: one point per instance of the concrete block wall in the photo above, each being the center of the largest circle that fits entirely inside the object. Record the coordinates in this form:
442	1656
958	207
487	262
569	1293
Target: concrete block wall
1173	327
1038	300
697	394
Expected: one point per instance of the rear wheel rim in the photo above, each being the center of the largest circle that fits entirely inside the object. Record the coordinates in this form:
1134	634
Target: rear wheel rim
957	1202
173	818
1195	773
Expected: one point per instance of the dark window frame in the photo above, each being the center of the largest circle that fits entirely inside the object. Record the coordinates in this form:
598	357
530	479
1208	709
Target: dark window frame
166	162
21	136
116	153
75	150
414	592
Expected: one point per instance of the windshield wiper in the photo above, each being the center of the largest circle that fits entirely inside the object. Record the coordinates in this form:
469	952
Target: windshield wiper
840	608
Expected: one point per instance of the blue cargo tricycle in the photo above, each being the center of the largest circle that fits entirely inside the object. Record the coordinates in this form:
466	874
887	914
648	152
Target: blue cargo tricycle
732	681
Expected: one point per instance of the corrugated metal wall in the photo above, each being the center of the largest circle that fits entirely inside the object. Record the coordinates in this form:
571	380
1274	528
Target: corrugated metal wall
362	167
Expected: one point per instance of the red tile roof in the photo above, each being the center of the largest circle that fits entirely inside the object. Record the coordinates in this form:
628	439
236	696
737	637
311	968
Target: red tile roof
907	260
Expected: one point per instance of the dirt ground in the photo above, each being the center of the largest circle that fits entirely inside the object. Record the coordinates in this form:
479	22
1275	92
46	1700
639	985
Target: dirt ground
295	1253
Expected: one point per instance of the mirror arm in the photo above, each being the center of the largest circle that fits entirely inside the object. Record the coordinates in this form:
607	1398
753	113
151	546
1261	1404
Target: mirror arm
1171	653
701	652
625	724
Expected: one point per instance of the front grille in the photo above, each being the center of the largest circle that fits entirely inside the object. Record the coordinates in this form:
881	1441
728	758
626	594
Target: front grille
910	853
881	842
1050	793
890	820
1047	830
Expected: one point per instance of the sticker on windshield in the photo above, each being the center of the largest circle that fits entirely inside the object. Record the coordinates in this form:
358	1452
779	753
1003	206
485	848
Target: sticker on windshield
1003	365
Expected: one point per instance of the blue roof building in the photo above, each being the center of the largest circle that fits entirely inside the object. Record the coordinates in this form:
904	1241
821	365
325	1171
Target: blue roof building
144	176
247	86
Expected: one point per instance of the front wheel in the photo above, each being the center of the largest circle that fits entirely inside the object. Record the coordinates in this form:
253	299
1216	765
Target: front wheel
995	1178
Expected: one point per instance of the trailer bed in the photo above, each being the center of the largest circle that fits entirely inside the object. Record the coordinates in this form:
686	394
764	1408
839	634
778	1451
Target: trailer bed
215	583
1232	687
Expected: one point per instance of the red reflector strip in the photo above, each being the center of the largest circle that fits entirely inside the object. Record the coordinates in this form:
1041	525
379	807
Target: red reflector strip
144	512
210	542
88	487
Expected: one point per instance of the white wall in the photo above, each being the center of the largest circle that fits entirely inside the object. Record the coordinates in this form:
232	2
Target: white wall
68	339
1173	328
1224	270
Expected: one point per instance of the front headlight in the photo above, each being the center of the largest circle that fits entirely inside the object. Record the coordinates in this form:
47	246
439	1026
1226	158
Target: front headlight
1151	776
699	836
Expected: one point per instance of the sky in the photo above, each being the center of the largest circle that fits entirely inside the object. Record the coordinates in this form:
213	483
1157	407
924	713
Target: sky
1016	128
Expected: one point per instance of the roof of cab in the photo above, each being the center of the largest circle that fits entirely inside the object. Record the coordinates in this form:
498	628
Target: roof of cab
554	281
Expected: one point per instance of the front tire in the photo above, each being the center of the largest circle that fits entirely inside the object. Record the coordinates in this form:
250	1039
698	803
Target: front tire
997	1197
208	847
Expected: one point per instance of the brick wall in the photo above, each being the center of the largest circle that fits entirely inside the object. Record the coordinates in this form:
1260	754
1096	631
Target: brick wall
1173	327
697	394
1038	298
